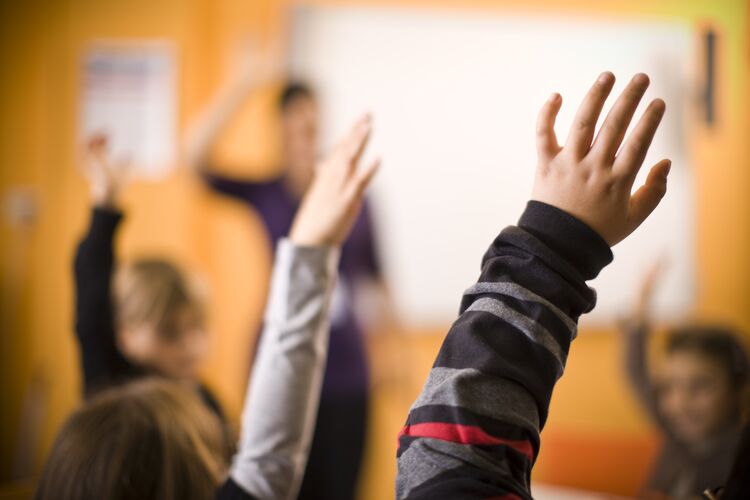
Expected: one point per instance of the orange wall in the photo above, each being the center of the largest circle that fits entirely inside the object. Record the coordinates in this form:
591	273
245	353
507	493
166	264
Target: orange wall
41	44
43	41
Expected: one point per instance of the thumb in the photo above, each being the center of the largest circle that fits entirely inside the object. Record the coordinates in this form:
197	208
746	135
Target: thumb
648	196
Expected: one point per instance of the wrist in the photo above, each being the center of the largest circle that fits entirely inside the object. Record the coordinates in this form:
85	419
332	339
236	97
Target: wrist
108	199
106	219
324	257
302	239
568	236
313	232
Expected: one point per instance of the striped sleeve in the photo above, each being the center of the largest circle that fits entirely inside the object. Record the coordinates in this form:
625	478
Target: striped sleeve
473	432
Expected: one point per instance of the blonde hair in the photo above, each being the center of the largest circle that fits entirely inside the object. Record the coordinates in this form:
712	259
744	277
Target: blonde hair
155	292
151	439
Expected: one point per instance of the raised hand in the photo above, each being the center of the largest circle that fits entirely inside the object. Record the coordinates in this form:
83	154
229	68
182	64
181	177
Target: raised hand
333	200
648	285
106	177
593	182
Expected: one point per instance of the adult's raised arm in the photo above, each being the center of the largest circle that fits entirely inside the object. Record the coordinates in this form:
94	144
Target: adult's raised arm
253	69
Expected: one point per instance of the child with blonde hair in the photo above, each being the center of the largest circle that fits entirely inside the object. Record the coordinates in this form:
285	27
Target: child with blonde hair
146	318
153	439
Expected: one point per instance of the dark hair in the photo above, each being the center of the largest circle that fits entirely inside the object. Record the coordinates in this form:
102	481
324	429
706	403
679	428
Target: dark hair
148	440
718	343
292	91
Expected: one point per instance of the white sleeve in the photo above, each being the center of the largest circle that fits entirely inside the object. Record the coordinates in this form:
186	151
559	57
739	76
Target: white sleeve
282	399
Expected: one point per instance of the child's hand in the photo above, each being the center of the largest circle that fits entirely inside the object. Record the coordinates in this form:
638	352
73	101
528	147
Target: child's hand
592	181
107	179
333	200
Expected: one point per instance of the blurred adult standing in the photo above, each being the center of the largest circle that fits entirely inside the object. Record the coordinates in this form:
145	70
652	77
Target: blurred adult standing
339	439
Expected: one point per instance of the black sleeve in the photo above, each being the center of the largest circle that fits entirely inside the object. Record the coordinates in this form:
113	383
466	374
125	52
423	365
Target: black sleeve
241	189
94	321
474	431
737	485
231	491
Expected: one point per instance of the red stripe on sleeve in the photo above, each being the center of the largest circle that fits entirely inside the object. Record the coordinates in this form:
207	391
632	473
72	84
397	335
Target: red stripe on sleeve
464	434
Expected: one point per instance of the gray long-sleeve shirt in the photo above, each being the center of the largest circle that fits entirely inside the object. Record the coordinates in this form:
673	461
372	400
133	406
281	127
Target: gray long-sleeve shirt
282	400
282	397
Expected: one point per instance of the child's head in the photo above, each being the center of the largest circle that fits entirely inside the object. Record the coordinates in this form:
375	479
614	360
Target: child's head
152	439
159	318
702	381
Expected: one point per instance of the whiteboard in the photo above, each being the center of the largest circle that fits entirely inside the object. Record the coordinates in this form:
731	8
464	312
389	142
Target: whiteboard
455	96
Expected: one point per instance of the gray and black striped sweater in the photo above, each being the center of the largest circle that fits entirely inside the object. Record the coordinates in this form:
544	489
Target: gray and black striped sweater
473	432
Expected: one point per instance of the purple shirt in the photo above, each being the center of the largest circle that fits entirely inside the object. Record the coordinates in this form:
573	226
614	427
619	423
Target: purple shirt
346	368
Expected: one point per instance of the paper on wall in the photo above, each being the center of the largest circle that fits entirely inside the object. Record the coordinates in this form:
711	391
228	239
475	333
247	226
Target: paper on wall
129	93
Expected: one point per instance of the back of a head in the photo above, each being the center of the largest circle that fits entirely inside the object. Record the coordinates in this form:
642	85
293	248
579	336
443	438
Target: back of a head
154	291
151	439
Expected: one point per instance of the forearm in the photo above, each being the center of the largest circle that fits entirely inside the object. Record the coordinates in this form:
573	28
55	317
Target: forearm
474	430
636	365
204	131
282	399
94	266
